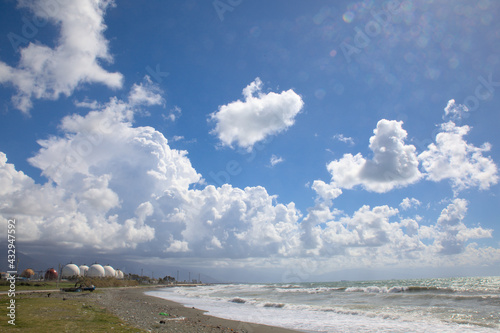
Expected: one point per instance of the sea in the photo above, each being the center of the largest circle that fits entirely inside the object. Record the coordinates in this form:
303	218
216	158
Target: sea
467	304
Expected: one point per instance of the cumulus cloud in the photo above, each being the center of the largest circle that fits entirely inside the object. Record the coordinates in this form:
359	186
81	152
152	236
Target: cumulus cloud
344	139
394	163
232	222
145	93
276	160
104	175
379	235
368	234
455	111
113	186
259	116
408	203
451	233
174	114
453	158
46	73
325	191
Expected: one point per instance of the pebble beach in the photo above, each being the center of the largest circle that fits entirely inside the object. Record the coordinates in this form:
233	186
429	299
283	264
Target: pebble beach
159	315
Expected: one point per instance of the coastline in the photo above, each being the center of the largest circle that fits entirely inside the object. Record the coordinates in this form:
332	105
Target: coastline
143	311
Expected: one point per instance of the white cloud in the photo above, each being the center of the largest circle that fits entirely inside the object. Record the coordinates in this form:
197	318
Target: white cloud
117	187
408	203
451	157
369	235
374	236
231	222
394	163
174	114
451	232
257	117
276	160
177	246
344	139
325	191
46	73
89	104
455	111
114	186
145	94
104	177
177	138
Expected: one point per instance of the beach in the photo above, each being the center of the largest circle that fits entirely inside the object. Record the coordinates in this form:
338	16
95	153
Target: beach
143	311
445	305
461	304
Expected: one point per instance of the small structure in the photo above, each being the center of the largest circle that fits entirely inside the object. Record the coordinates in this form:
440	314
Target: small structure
109	271
51	274
28	273
83	270
119	274
70	271
96	270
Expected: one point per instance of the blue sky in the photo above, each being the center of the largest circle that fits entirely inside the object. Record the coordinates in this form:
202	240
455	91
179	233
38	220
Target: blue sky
269	137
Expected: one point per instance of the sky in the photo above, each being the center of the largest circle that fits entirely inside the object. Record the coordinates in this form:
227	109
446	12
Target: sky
253	140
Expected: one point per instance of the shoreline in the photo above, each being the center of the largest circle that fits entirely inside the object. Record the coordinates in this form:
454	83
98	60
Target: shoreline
143	311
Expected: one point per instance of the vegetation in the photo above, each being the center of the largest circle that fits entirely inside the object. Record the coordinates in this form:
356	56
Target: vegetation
54	285
105	282
36	285
35	313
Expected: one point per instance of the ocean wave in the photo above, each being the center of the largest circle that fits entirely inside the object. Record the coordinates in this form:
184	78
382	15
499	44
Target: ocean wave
318	290
376	289
399	289
274	305
238	300
262	304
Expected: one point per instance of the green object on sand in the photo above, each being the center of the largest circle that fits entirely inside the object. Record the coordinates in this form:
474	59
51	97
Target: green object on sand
164	314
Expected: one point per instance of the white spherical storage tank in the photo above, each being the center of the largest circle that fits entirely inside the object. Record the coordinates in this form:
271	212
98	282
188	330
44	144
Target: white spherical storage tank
109	271
70	270
83	270
95	270
119	274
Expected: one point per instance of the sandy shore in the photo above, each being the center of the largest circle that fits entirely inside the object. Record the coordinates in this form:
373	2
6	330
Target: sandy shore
143	311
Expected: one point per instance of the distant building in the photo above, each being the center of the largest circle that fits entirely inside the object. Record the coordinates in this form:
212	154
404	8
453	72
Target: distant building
28	273
70	271
51	274
96	270
109	271
119	274
83	270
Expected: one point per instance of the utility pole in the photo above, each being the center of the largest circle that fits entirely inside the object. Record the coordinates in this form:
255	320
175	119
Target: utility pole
58	277
189	280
